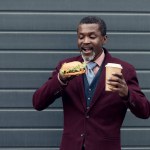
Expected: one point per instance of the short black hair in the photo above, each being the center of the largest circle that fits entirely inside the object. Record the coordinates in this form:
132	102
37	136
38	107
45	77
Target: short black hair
95	20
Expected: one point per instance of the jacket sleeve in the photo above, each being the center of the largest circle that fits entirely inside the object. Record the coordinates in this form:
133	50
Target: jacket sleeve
48	92
137	101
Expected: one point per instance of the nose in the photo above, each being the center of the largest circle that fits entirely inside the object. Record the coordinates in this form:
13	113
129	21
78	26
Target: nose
86	40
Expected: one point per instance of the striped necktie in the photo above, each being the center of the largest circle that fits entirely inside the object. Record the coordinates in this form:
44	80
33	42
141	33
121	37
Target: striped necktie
90	74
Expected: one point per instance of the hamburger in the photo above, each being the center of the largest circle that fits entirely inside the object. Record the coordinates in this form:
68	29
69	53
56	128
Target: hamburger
73	68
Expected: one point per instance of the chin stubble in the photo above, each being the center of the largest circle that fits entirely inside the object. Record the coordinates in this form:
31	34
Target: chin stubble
88	58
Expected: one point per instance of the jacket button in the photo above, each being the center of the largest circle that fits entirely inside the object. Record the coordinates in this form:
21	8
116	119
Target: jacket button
87	108
87	116
89	98
82	134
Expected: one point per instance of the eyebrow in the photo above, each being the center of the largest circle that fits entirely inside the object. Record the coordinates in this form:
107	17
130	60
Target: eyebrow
87	32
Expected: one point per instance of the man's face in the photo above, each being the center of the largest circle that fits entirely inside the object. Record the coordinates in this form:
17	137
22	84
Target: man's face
90	41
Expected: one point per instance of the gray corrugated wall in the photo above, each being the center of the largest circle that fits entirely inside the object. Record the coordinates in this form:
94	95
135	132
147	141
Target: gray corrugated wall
34	36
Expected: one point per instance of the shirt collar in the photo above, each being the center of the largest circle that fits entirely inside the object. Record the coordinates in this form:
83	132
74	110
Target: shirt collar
100	59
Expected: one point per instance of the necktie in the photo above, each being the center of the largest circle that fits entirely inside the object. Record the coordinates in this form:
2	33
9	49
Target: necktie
90	74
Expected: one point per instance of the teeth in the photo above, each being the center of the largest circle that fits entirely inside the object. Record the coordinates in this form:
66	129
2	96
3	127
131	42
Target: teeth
87	52
87	49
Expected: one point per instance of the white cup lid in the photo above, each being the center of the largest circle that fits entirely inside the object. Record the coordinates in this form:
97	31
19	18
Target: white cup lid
113	65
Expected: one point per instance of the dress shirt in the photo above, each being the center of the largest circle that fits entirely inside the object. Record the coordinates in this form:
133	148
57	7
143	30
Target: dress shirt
99	62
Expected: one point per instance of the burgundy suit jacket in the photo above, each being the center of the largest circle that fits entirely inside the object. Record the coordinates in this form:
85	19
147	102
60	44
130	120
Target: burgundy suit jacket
98	126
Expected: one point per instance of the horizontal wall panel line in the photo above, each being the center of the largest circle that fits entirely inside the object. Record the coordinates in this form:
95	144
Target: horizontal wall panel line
128	50
136	148
26	71
30	109
60	129
66	51
17	90
38	32
29	148
82	12
146	90
52	110
71	50
110	32
143	71
57	148
49	70
46	51
66	32
46	70
31	129
69	13
135	128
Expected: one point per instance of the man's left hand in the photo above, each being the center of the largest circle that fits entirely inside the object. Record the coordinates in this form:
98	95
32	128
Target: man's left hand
118	84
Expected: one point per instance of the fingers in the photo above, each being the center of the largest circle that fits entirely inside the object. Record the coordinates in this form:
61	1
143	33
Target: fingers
115	80
118	84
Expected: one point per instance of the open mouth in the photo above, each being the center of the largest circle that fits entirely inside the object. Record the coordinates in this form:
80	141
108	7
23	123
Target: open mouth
87	53
87	50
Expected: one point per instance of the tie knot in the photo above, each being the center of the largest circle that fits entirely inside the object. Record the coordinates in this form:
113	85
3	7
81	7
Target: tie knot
91	65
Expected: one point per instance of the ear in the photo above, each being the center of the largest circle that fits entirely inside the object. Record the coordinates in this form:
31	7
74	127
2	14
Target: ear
105	39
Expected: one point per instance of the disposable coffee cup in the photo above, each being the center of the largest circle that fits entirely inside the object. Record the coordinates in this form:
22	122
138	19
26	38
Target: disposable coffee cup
110	69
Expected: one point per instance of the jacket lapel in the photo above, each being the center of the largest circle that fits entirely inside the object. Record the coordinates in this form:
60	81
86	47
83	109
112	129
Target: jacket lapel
80	85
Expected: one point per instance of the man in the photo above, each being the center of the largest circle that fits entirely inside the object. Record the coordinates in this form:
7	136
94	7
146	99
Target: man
93	116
